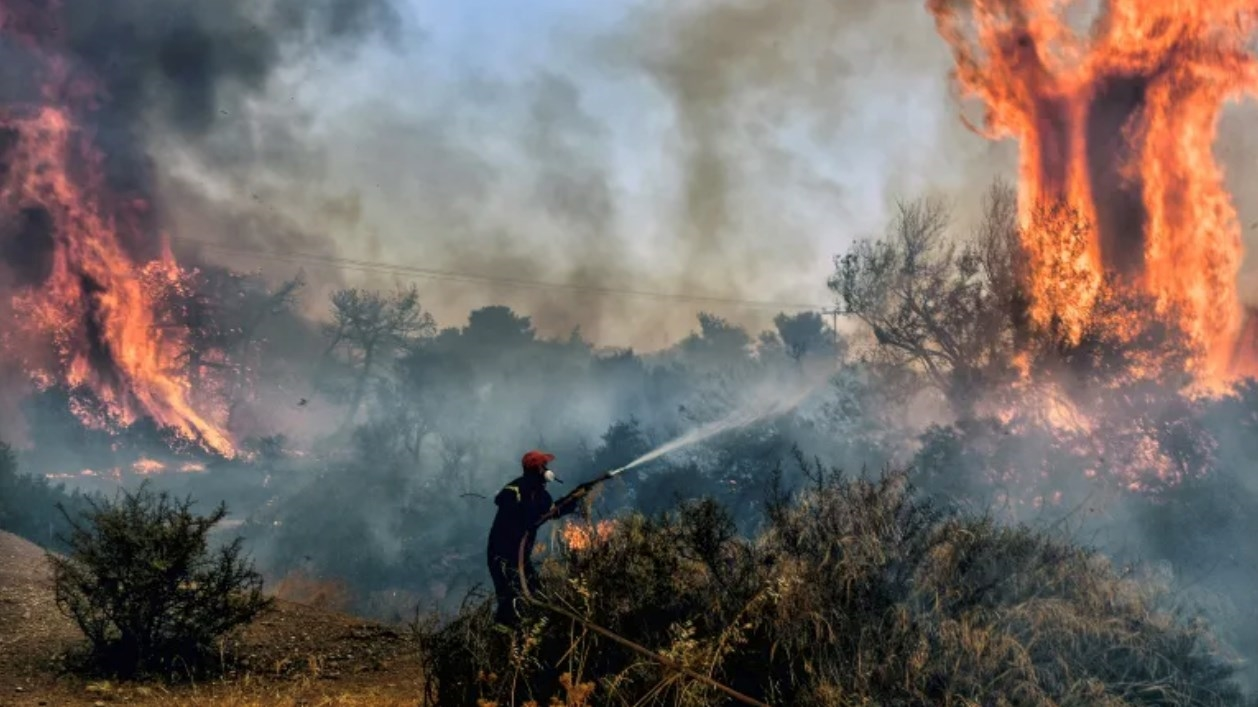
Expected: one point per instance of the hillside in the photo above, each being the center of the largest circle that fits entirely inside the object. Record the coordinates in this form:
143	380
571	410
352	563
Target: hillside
294	655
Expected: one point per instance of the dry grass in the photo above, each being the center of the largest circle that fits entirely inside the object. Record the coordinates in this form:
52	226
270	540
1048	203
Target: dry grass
259	691
854	593
253	691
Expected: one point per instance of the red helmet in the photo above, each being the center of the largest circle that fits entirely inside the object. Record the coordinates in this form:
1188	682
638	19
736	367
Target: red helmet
536	461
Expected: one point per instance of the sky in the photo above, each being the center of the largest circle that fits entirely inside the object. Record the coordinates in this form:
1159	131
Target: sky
726	149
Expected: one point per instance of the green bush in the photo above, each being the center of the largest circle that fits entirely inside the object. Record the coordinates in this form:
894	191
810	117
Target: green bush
142	583
855	592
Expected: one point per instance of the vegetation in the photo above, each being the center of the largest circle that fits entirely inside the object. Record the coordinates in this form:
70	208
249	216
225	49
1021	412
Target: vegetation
411	427
854	592
28	504
142	583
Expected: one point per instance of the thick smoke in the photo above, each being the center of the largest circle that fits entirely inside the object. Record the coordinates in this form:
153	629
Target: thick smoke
148	73
723	149
1236	148
189	67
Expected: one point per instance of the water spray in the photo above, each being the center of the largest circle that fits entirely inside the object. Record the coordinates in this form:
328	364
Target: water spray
739	418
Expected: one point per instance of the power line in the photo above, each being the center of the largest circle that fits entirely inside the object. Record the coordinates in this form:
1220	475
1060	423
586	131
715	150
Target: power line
371	266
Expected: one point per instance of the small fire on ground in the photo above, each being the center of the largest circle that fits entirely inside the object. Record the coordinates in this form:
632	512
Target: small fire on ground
149	467
141	467
580	537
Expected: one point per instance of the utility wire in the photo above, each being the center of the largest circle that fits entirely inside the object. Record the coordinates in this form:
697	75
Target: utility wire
370	266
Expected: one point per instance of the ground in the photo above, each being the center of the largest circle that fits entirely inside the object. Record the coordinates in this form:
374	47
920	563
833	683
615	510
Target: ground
293	655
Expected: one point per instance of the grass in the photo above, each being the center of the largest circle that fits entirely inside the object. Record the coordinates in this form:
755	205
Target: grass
250	691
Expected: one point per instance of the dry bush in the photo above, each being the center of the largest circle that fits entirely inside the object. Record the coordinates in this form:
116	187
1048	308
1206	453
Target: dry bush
855	592
144	585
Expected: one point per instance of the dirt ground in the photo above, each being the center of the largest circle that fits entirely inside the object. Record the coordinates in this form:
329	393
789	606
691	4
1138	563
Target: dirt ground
293	655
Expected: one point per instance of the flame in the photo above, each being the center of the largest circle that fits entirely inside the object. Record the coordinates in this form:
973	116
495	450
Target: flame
89	306
581	537
148	467
1115	127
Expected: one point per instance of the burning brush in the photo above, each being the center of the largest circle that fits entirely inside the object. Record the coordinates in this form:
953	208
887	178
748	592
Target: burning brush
582	536
83	276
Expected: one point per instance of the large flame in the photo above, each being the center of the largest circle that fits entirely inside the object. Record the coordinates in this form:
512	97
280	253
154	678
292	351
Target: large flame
1116	126
86	306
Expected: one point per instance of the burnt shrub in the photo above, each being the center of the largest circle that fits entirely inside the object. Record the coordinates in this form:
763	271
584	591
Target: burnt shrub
853	592
141	581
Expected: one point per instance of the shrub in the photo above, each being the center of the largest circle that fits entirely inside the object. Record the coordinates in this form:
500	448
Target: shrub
141	582
856	592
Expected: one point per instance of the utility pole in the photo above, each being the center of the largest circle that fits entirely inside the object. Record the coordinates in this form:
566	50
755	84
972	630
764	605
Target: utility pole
834	326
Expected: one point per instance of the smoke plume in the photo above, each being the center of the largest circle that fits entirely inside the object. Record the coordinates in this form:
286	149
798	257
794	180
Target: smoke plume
723	149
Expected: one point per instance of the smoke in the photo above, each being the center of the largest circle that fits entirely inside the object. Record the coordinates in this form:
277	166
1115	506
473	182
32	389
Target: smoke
190	68
726	149
145	75
1236	149
721	148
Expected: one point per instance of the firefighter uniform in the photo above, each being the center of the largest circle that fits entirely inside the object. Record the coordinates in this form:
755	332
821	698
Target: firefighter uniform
522	505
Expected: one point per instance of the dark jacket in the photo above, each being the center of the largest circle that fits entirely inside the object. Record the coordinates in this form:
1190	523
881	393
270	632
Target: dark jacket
521	504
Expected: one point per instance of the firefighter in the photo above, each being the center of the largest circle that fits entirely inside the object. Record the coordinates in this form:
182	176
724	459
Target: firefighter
523	505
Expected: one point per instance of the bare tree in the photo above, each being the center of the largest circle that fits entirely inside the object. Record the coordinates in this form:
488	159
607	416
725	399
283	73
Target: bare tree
370	328
936	305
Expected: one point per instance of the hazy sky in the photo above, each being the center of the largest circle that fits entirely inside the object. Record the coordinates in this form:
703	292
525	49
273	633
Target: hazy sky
728	149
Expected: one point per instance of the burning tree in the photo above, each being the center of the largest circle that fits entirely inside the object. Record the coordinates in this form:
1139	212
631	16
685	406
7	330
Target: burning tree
1117	125
225	313
1091	311
83	264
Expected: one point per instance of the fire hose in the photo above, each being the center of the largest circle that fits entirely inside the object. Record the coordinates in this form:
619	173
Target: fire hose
572	497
